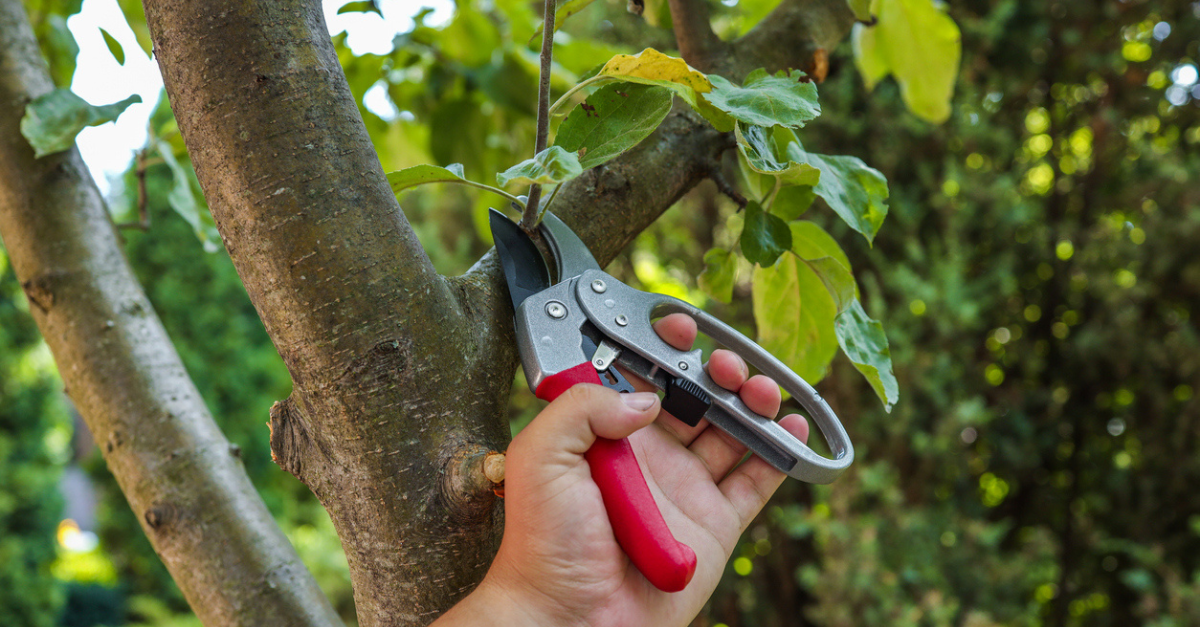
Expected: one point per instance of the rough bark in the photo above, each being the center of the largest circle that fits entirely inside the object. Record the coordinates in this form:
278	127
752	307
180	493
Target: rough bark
400	376
797	34
181	476
393	376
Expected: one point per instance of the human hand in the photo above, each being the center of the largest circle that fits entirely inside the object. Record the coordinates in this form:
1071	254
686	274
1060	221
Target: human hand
559	562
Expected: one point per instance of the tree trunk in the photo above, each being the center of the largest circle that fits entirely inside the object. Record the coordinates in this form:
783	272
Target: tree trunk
181	476
401	376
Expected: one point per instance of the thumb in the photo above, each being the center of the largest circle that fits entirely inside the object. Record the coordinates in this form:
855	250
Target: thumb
572	421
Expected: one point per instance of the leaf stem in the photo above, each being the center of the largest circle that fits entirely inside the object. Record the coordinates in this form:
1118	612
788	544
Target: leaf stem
769	200
574	90
530	216
494	190
549	201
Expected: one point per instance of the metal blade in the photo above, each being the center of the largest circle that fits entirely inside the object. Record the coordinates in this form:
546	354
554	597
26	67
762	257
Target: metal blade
570	253
524	269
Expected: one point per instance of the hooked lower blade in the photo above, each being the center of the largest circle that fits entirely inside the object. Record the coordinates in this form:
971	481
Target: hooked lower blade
524	269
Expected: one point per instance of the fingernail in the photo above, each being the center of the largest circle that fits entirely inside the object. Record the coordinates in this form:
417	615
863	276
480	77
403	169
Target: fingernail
640	401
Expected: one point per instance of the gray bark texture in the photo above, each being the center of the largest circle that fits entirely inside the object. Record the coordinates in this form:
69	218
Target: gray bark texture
401	376
181	476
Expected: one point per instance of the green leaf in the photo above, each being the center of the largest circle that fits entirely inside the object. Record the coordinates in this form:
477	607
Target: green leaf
791	202
837	280
59	47
826	259
564	11
810	241
920	45
794	315
401	180
861	9
552	165
856	192
759	149
52	120
424	174
135	16
766	100
183	200
651	67
758	185
764	237
720	273
865	343
368	6
114	47
613	120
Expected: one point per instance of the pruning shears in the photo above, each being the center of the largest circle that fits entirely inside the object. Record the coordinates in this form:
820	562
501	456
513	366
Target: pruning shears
576	326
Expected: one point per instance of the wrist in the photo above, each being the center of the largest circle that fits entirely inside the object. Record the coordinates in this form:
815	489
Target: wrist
528	604
497	601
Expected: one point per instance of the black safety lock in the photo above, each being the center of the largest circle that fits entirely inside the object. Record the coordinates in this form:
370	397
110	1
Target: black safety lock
686	401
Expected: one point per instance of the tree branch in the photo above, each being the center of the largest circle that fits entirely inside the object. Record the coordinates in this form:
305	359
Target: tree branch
529	218
698	44
176	469
292	179
793	36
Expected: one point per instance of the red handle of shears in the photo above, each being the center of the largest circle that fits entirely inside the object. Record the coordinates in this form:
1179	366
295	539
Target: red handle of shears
636	522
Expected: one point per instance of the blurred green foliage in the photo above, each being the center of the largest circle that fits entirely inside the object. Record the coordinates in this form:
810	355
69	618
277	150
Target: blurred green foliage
1037	273
34	439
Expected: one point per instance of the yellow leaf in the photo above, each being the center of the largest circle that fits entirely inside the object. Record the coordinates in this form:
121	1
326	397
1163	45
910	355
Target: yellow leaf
868	56
656	66
652	67
919	44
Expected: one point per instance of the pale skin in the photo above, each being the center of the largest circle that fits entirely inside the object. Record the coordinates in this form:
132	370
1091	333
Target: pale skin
559	564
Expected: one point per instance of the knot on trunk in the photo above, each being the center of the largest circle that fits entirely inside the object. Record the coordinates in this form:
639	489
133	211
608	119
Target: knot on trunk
381	368
160	516
40	289
290	441
469	485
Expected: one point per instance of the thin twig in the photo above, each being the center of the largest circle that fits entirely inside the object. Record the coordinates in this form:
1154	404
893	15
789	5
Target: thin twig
725	188
143	223
529	218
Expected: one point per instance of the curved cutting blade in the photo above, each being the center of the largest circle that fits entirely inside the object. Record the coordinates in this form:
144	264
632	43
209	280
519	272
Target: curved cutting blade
524	269
571	255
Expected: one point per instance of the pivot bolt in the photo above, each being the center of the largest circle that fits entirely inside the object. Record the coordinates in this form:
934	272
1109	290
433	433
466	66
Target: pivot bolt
598	286
622	320
555	309
683	365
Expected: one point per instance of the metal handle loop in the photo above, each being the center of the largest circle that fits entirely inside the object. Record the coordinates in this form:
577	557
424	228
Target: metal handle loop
761	434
